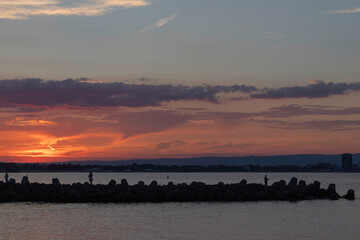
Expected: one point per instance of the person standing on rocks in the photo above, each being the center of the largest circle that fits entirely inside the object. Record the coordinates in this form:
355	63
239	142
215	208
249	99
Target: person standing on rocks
266	180
6	177
91	178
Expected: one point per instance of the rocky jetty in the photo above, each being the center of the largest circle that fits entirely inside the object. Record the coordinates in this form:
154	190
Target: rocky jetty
195	192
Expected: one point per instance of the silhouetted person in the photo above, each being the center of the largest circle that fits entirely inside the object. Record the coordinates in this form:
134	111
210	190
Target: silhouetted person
6	177
167	177
91	178
266	180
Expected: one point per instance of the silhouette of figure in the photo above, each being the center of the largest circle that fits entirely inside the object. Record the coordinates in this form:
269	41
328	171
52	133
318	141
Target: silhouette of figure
91	178
266	180
6	177
167	177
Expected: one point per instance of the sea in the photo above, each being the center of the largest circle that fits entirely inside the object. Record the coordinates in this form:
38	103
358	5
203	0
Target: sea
270	220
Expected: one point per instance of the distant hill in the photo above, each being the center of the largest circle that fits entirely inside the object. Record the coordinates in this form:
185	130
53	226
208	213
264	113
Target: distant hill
297	160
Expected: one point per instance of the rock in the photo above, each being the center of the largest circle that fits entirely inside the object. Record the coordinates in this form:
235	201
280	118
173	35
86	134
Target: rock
170	184
331	188
12	181
141	183
112	183
153	183
316	186
322	194
302	185
293	183
124	182
350	195
243	182
280	195
25	180
334	196
280	185
262	194
197	184
56	182
221	183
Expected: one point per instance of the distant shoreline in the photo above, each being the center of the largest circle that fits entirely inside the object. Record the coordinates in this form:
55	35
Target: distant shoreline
169	169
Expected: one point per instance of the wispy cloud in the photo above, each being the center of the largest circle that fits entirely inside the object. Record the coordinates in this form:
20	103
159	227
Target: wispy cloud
343	11
268	34
161	22
272	35
22	9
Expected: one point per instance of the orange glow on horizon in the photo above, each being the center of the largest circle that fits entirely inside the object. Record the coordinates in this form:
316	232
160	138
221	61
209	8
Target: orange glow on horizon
173	130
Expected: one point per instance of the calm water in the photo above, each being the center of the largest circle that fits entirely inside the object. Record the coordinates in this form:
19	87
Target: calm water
321	219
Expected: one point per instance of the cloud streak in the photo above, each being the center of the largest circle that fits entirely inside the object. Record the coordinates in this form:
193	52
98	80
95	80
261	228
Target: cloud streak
161	22
80	93
273	35
344	11
21	9
318	89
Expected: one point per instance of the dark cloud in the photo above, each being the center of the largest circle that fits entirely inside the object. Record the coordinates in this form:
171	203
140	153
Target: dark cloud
39	94
319	89
84	93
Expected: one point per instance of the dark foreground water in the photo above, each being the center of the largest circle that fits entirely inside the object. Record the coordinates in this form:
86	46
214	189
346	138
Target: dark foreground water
319	219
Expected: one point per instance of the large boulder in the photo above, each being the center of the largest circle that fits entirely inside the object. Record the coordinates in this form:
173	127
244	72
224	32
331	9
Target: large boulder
293	183
153	183
302	185
199	184
334	196
12	181
141	183
112	182
25	180
331	188
56	182
316	185
350	195
280	185
124	182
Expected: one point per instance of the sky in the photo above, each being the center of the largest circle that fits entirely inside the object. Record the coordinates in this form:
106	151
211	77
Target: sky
126	79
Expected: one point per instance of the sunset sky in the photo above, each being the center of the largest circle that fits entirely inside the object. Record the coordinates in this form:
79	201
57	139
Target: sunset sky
125	79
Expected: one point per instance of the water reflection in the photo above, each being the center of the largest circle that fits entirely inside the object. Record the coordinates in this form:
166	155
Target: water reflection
261	220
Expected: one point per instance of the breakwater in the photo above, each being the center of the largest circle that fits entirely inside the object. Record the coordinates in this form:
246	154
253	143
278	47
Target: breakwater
113	192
